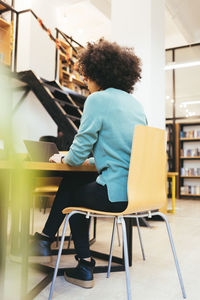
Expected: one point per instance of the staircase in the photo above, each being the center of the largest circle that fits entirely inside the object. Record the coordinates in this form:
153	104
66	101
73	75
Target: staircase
63	105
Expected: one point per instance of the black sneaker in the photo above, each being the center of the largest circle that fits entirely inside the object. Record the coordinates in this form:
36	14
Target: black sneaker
40	248
82	275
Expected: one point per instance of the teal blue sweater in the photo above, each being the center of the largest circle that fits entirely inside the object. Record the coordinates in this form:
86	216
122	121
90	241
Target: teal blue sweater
107	127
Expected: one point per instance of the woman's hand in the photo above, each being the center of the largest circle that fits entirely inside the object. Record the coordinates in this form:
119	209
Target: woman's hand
56	158
86	163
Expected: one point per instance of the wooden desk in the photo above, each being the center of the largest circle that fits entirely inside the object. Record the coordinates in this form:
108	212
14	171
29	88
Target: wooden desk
50	167
31	171
173	175
24	175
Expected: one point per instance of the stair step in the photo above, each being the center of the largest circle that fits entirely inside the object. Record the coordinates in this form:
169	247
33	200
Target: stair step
63	102
66	114
73	118
63	92
63	111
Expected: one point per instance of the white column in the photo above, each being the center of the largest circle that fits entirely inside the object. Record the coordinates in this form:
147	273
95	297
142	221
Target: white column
42	55
36	52
140	24
35	49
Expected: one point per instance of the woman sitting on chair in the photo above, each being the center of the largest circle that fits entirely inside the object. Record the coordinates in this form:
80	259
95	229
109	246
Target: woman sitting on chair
107	126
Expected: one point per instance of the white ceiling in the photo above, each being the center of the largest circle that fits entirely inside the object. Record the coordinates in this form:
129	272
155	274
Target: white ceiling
83	21
186	16
88	20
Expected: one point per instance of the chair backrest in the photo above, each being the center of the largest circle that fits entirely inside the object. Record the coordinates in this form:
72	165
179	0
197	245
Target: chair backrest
147	172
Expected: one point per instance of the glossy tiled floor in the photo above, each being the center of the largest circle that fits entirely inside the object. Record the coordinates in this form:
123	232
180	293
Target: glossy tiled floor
153	279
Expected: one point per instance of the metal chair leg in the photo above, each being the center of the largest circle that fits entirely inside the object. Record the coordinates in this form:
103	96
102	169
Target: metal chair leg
174	253
121	220
111	248
90	223
140	237
59	256
119	243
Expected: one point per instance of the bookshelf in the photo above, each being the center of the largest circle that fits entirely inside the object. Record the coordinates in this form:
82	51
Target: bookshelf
170	147
189	160
68	75
5	42
170	155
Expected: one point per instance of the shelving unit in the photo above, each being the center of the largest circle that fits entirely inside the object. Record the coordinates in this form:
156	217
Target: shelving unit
188	157
68	76
170	155
5	41
189	160
170	147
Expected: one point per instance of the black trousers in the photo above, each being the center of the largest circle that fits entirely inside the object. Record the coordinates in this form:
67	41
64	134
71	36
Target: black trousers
78	190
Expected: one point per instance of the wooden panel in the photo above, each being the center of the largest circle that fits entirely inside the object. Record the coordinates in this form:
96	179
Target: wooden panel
190	176
3	23
190	139
2	6
5	47
191	195
44	166
189	157
172	174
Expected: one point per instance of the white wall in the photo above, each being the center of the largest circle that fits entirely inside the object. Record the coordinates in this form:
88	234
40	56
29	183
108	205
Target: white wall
31	121
42	50
35	49
36	52
141	25
23	60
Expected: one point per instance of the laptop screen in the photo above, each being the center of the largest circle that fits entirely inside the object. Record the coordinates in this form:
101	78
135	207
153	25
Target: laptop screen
40	151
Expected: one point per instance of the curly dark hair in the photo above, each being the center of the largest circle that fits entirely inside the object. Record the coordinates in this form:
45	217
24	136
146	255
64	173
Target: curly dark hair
110	65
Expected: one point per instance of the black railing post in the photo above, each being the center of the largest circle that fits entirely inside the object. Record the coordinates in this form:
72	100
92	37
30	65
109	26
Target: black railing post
174	112
16	41
56	56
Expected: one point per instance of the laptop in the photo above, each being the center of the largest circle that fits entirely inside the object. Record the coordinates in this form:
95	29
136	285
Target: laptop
40	151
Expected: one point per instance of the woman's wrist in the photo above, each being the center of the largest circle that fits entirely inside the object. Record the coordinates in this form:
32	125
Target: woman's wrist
62	159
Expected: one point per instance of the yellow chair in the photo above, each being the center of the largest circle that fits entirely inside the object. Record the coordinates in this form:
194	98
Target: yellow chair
146	194
46	187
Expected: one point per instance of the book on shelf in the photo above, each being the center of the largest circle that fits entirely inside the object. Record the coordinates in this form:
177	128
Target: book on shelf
190	152
190	189
190	134
190	171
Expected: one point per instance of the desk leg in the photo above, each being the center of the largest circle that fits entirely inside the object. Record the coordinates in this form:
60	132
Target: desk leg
26	197
4	199
20	219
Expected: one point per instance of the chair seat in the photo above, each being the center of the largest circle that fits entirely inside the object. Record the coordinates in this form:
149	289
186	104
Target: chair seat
67	210
126	213
48	189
